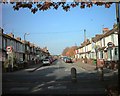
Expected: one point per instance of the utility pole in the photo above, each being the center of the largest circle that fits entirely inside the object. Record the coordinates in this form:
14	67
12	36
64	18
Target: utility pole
85	40
85	44
118	24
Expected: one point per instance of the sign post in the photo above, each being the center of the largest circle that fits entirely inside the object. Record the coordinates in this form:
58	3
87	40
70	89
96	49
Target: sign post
110	47
10	56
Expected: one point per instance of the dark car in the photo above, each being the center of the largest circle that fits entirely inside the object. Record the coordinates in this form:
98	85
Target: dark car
67	60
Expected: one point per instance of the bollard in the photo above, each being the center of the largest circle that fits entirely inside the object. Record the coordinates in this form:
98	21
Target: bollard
101	73
73	74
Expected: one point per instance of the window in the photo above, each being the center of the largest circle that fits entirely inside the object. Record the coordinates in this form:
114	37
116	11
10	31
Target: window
101	54
4	43
110	54
8	42
116	51
12	43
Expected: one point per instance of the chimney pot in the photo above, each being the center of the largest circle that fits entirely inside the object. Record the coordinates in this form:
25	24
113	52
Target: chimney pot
105	30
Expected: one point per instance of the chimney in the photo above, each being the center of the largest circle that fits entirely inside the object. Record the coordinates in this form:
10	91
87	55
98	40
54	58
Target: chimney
11	35
115	25
97	35
18	38
105	30
23	41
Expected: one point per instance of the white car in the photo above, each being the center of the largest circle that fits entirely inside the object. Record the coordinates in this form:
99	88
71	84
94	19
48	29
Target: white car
46	62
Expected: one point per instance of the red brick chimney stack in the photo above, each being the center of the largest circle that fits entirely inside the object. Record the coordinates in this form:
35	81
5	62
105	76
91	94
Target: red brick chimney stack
105	30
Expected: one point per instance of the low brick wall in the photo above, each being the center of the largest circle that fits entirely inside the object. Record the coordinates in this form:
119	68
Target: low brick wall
90	61
100	62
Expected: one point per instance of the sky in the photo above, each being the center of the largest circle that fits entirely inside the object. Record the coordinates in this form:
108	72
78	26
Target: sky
57	29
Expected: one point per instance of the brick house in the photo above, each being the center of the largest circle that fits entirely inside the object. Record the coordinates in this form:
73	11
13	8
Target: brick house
102	46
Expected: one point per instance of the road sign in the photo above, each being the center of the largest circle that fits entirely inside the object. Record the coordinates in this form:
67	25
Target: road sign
110	44
9	49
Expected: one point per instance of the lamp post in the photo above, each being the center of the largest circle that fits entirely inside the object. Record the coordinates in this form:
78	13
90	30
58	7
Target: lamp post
25	46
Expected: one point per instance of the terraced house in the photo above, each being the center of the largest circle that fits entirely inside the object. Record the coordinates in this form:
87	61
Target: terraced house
102	46
23	50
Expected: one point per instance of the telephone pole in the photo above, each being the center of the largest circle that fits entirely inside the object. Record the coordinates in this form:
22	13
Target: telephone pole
85	40
85	45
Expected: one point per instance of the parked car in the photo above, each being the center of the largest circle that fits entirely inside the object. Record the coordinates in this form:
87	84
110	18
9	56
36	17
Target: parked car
67	60
46	62
50	59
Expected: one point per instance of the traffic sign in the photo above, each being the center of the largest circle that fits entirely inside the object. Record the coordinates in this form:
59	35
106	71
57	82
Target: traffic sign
9	49
110	44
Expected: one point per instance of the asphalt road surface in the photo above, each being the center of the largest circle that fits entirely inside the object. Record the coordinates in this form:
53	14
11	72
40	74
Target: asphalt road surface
53	79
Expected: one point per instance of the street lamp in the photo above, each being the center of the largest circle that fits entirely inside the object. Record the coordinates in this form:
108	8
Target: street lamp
25	45
25	35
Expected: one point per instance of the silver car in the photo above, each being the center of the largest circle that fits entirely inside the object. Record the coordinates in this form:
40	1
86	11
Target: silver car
46	62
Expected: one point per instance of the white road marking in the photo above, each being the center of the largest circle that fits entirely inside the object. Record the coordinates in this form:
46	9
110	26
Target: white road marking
67	69
30	69
50	82
37	89
57	87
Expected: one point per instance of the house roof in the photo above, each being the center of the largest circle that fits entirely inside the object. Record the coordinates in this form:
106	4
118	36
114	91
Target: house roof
97	37
110	32
87	42
10	37
100	36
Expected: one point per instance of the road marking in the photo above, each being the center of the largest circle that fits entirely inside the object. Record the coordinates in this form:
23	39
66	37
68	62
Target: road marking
51	82
58	62
40	85
57	87
30	69
19	89
37	90
67	69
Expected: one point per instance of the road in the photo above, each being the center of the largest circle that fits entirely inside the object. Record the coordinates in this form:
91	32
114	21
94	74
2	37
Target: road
53	79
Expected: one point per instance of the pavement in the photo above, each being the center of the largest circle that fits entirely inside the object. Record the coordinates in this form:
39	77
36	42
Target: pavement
92	67
110	77
86	66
